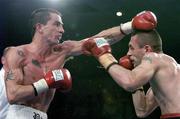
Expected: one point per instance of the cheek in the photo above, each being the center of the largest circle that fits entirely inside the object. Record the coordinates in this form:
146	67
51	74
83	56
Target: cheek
137	59
136	55
49	30
49	33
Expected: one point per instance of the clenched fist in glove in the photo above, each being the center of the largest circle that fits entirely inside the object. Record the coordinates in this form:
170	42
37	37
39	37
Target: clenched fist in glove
144	21
100	48
59	79
125	62
96	47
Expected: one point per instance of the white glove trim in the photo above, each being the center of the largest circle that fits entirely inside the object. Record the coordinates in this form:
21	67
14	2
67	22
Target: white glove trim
40	86
126	28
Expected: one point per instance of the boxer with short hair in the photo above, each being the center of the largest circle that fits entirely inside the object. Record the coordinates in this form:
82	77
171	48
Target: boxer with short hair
150	65
32	72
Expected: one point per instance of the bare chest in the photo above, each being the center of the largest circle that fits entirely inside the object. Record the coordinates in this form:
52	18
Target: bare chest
35	68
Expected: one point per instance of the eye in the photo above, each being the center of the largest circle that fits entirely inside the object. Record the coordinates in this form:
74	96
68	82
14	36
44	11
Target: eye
57	24
131	48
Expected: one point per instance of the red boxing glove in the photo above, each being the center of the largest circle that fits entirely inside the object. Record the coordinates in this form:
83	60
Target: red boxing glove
96	47
59	79
145	20
125	62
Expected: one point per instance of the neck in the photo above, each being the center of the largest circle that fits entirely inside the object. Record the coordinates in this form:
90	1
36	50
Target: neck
40	47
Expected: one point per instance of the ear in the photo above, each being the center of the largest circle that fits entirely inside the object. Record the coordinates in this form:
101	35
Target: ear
3	60
38	27
148	48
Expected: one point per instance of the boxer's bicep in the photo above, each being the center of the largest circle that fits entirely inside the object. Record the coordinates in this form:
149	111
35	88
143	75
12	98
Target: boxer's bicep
77	49
14	74
14	62
73	48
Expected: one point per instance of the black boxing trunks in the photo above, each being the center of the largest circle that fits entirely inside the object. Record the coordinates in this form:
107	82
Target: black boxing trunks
170	116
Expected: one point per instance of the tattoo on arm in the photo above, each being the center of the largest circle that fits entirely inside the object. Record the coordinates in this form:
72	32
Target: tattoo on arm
147	58
36	63
20	53
111	39
10	75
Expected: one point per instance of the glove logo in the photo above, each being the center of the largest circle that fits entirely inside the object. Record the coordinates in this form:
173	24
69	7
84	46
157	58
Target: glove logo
58	75
101	42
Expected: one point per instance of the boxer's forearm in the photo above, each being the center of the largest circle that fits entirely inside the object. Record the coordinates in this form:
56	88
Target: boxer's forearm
113	34
20	93
122	76
106	60
139	101
144	104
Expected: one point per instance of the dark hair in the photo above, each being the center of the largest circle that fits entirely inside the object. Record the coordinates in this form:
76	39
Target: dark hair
41	15
151	38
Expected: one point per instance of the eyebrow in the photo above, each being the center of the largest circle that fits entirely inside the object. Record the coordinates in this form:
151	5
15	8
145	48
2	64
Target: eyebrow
59	22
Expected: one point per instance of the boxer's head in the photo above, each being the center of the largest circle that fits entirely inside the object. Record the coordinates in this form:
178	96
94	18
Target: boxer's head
151	38
142	42
41	15
47	25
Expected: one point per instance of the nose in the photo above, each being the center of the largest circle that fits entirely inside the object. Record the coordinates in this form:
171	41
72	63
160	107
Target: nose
129	53
61	29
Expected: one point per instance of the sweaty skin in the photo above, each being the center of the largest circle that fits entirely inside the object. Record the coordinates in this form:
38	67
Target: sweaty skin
32	68
159	69
28	63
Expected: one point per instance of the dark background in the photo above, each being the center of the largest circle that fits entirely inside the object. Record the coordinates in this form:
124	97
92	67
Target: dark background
94	94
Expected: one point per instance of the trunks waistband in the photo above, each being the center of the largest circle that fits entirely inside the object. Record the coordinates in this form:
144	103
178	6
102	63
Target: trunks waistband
170	116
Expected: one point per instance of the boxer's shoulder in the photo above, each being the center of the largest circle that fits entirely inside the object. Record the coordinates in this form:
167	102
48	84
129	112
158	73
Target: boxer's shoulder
15	55
17	51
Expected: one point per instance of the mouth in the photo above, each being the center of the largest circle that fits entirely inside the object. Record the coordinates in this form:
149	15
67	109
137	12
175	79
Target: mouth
58	37
133	62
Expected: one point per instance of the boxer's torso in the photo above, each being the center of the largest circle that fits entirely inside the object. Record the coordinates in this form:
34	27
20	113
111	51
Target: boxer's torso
166	84
34	67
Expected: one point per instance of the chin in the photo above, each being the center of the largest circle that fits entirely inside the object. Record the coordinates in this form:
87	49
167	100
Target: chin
135	65
56	41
